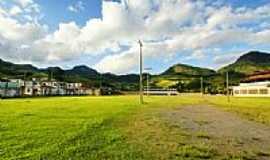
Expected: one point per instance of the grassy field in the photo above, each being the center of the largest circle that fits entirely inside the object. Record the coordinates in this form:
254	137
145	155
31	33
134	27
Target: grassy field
106	127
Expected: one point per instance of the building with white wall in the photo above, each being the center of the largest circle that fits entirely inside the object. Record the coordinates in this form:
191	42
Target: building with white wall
21	88
253	89
9	89
255	85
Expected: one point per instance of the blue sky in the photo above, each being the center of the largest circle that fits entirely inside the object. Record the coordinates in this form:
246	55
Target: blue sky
55	11
104	34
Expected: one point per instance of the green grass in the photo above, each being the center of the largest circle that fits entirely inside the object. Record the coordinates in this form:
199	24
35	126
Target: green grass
166	83
106	127
59	127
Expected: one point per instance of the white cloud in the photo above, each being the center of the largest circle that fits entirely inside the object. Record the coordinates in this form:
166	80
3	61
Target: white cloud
17	35
24	3
15	10
3	12
77	7
120	63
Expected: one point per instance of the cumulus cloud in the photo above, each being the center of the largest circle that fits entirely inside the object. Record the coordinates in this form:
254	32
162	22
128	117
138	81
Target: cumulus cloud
77	7
167	28
24	3
15	10
17	37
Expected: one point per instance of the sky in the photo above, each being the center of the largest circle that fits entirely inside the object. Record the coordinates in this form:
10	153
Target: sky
104	34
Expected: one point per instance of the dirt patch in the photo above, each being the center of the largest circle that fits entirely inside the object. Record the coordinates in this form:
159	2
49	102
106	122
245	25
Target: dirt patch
232	136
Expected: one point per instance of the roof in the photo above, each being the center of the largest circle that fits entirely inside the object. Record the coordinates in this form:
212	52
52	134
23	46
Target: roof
258	76
266	84
260	73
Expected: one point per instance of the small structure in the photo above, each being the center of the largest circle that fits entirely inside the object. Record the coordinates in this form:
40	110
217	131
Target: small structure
28	88
9	89
167	92
36	90
46	88
61	88
74	89
255	89
255	85
20	88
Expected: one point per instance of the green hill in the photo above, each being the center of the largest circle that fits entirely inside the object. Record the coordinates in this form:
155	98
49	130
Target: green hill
16	70
181	76
187	70
84	74
249	63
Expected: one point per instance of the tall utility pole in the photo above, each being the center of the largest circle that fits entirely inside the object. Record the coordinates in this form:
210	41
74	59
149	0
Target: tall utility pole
202	92
227	86
141	74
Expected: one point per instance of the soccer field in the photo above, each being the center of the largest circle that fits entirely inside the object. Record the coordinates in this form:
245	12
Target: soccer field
121	128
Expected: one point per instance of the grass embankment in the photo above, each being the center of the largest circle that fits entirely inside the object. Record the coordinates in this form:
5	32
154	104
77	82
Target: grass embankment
104	128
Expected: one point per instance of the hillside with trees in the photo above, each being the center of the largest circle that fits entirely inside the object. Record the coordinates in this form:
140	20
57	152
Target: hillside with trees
184	77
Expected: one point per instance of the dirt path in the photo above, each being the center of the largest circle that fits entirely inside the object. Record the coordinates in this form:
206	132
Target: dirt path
226	132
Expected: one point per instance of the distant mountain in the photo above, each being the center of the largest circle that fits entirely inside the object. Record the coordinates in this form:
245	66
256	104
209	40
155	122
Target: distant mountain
181	76
181	73
7	68
249	63
82	73
183	69
82	70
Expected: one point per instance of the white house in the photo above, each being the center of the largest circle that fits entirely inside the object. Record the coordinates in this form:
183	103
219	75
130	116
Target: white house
253	89
18	87
9	89
28	88
74	88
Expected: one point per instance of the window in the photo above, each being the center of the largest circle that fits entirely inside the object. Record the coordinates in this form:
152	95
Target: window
253	91
236	92
243	91
263	91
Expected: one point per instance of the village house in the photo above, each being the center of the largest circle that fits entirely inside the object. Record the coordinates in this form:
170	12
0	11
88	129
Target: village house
256	85
18	87
61	88
27	88
74	89
9	89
